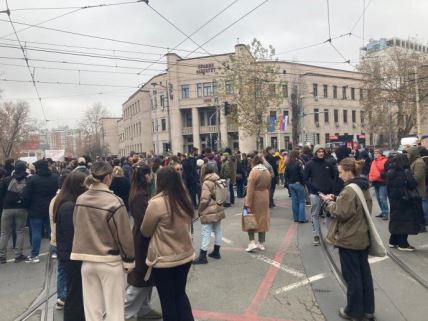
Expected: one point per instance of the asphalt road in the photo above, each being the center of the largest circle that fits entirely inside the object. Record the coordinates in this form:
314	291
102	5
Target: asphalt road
290	280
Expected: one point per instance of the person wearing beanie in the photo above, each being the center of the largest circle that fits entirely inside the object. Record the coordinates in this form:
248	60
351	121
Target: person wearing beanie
319	176
14	210
81	166
40	190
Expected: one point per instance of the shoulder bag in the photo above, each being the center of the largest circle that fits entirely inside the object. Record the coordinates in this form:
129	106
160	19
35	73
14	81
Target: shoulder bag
376	247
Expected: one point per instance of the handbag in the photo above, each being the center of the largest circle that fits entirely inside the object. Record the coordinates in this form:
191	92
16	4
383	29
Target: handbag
376	247
249	221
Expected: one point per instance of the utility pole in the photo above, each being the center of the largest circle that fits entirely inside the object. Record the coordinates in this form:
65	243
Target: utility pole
389	125
418	106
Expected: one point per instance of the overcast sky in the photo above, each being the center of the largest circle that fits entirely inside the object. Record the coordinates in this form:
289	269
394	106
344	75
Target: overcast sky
286	24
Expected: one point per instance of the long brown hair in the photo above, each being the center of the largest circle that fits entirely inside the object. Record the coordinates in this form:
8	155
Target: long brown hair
169	182
139	182
293	157
72	188
351	165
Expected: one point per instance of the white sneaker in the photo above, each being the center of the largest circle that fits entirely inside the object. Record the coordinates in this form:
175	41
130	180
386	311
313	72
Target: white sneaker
261	246
54	256
251	247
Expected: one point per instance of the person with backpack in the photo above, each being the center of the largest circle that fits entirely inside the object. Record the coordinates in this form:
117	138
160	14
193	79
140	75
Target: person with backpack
14	210
211	214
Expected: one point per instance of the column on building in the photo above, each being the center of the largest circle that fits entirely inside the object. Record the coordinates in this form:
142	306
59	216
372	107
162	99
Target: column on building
195	128
223	129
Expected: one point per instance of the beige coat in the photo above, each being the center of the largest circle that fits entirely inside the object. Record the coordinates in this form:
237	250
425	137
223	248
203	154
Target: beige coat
257	198
209	211
170	240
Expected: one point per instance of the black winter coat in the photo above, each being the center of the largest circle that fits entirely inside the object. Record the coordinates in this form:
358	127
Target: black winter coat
40	190
320	176
120	186
293	173
405	215
273	162
64	230
8	198
138	208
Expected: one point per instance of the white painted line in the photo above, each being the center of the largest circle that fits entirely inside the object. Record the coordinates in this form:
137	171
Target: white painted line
13	260
278	265
301	283
422	246
373	260
238	214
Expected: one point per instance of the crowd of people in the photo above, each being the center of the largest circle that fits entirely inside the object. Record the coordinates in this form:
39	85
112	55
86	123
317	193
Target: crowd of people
135	215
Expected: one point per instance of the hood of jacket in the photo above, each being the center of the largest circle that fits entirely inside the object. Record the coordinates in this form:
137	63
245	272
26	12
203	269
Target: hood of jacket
42	168
211	177
414	154
362	182
20	170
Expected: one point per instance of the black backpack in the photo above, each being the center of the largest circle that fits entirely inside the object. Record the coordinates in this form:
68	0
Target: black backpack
15	192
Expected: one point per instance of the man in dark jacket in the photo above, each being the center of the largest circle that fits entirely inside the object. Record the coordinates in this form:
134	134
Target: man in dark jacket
127	168
319	177
14	210
40	190
274	163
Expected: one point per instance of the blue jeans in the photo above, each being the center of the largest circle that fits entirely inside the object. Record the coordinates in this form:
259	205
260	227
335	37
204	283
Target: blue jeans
297	192
240	188
206	235
37	225
425	207
61	281
382	199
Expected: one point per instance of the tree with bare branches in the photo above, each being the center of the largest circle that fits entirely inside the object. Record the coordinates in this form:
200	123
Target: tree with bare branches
14	127
390	98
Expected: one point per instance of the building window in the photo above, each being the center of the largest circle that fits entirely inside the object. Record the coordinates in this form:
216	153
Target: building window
163	124
162	100
326	116
354	116
315	90
344	92
361	94
228	88
212	118
185	90
316	115
201	118
362	116
325	90
327	137
208	89
285	91
353	93
336	115
335	92
345	116
199	89
188	119
272	90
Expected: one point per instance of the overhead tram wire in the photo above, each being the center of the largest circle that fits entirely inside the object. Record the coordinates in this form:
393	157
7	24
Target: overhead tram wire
196	31
26	61
97	37
65	83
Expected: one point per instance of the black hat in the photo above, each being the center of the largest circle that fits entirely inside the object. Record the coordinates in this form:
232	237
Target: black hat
41	163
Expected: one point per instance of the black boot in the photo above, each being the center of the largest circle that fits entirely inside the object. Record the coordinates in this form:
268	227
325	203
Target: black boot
215	254
202	258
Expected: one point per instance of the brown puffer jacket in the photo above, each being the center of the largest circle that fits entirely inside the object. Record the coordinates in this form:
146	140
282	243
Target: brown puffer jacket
209	211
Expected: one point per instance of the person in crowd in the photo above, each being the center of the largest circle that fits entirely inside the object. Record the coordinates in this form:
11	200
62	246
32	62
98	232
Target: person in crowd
424	155
63	207
211	215
61	280
9	166
306	154
120	185
294	179
14	210
40	190
226	172
405	212
127	167
241	176
418	170
103	242
257	202
377	176
281	167
350	234
139	292
190	177
81	166
342	152
319	177
274	164
232	164
167	223
364	155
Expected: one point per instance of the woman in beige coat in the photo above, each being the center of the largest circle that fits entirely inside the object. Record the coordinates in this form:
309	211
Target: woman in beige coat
211	215
257	202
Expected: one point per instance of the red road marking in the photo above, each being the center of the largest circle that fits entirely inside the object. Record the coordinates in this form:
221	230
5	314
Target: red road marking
209	315
267	281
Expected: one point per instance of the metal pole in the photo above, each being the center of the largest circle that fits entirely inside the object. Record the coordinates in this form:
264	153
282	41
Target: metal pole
389	125
418	106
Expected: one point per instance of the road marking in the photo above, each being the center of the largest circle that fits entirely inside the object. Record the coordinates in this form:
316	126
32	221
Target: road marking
278	265
301	283
13	260
373	260
422	246
238	214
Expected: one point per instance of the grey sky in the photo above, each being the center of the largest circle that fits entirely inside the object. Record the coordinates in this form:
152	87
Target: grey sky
286	24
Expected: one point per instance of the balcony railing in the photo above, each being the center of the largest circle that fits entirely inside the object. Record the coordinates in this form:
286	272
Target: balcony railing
232	127
187	130
208	129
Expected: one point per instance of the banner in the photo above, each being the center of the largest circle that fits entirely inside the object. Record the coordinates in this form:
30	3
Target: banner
55	154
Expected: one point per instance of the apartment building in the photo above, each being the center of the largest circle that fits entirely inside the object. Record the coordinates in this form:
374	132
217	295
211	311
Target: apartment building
178	110
109	134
